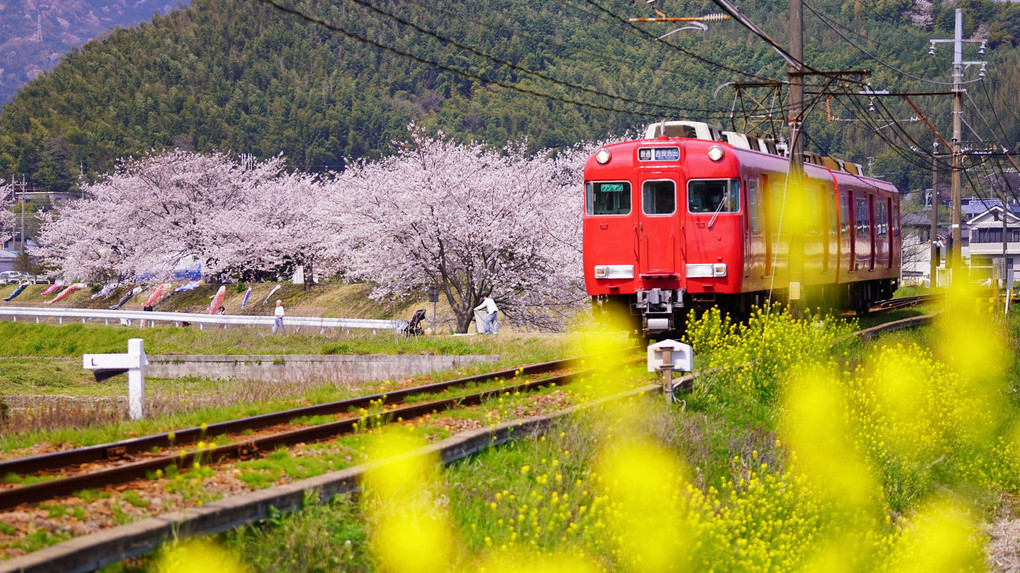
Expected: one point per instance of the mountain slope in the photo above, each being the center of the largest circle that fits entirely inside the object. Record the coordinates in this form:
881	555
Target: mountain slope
36	34
245	77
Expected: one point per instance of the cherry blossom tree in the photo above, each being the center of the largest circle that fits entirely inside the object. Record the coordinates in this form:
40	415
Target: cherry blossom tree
162	212
471	221
468	219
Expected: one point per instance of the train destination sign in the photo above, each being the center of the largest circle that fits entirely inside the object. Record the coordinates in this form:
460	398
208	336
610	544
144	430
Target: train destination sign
658	154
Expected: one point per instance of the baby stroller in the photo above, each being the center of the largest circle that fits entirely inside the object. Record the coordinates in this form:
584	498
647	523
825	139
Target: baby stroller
414	327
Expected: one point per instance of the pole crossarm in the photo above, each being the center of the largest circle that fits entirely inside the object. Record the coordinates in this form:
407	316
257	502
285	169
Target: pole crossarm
706	18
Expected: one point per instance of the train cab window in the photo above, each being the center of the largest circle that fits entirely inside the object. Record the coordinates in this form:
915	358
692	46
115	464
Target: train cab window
862	217
658	197
607	198
713	196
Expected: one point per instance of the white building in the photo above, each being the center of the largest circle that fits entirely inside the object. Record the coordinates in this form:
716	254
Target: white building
986	247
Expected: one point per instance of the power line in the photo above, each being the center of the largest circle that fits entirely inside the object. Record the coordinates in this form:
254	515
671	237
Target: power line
500	61
832	27
604	55
512	86
988	96
686	52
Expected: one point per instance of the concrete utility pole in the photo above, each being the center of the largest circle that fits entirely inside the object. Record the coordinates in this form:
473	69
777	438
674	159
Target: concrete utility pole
795	188
958	66
957	134
22	184
934	280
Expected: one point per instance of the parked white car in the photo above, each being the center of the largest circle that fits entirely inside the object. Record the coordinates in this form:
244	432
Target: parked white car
10	277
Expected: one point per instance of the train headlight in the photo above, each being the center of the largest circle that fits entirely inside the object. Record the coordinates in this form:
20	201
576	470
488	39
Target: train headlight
603	156
614	271
706	271
715	153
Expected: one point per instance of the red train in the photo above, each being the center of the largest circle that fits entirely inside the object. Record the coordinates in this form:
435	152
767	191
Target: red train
692	217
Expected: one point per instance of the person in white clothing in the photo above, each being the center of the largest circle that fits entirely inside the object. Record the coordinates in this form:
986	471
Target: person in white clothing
278	323
490	321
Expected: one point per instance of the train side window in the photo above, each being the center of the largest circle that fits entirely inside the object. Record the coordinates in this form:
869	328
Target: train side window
713	196
814	203
607	198
844	214
862	218
753	203
658	197
830	202
894	209
881	222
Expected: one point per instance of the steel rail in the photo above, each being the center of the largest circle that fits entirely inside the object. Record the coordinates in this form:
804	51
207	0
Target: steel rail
123	448
40	491
908	301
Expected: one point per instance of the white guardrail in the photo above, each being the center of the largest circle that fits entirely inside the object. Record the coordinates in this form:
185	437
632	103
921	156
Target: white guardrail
150	318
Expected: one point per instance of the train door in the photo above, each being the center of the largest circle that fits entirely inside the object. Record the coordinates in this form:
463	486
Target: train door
846	242
658	225
754	233
769	224
824	212
882	236
874	239
832	225
895	239
863	254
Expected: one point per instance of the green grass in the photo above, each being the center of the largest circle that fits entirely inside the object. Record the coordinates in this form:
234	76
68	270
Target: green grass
55	370
724	480
72	340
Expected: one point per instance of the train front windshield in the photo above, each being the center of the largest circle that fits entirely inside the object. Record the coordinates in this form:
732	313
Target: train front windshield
713	196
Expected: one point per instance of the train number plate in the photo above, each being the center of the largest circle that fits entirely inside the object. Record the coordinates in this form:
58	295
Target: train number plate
658	154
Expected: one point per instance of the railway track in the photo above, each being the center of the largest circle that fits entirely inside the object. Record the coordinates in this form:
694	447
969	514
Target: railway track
139	458
143	536
907	302
65	472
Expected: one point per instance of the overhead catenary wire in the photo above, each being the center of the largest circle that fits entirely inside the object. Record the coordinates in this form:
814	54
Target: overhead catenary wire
503	62
984	86
603	55
871	56
275	4
652	37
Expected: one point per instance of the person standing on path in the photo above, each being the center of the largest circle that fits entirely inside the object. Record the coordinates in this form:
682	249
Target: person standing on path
278	323
490	321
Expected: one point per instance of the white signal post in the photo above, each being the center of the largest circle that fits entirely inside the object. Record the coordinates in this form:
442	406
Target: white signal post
133	363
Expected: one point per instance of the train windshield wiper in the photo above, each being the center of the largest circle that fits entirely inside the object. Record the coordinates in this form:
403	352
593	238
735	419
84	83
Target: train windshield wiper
725	203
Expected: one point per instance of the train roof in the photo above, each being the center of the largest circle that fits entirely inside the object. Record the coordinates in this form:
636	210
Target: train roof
689	129
815	165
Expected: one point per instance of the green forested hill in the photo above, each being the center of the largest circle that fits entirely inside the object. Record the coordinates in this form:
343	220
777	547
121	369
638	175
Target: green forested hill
244	77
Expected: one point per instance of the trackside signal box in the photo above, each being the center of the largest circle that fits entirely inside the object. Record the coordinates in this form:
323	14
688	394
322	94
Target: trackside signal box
681	356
